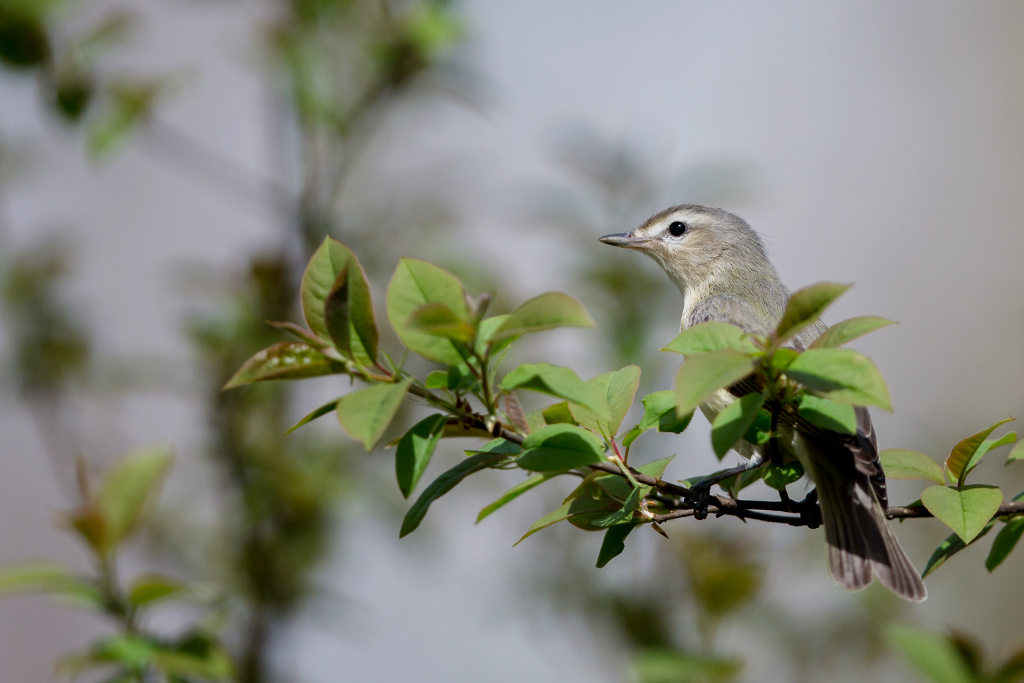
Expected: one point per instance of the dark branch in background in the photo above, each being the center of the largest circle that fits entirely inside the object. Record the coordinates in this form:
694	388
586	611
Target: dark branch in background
186	154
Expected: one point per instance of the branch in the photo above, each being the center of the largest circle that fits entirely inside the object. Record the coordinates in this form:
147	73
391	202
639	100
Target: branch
678	498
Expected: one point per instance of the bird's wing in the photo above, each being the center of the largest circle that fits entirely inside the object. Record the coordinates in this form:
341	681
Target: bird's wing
862	446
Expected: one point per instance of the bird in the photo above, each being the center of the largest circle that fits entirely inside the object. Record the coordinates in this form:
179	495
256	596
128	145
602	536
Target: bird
721	267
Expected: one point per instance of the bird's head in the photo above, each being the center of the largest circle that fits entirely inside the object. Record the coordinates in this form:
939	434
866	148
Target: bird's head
699	246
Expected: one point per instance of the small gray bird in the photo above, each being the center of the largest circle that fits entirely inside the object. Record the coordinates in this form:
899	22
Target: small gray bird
722	269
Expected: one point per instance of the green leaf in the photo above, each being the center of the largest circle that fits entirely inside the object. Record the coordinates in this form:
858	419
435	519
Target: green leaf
734	421
415	449
966	510
557	413
51	579
1006	541
559	448
24	42
366	413
625	513
711	336
325	409
416	283
614	543
660	412
806	306
968	453
300	333
436	379
1017	453
848	330
843	375
543	312
827	414
514	492
619	388
557	381
781	476
703	374
574	506
214	665
441	321
673	666
935	656
126	488
736	483
499	446
445	483
287	360
656	468
898	463
780	359
152	588
336	301
949	547
486	330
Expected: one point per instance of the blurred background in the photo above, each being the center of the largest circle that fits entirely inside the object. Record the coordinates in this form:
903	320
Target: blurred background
167	166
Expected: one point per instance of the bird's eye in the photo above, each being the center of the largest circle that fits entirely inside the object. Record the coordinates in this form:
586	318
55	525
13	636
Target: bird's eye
677	228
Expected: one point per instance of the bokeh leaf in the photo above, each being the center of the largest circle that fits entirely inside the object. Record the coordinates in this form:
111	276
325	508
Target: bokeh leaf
151	588
936	656
127	487
673	666
51	579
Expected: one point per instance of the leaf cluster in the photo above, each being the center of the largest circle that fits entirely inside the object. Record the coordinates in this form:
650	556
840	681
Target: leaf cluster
774	383
106	520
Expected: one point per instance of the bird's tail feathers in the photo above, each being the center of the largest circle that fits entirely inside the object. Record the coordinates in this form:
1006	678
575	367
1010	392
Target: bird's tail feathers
860	541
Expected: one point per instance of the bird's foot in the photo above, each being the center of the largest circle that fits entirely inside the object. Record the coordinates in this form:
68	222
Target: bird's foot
700	496
810	513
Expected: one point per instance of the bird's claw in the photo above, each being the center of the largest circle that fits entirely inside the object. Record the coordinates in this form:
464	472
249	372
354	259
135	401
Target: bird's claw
700	496
810	514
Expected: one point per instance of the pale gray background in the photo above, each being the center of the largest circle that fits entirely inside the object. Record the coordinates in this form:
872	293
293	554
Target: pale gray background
886	145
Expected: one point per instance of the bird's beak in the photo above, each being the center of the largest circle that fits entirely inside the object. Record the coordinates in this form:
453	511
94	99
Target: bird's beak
624	239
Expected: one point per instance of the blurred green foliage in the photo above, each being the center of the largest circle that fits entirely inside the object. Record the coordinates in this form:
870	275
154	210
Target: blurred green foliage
341	66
